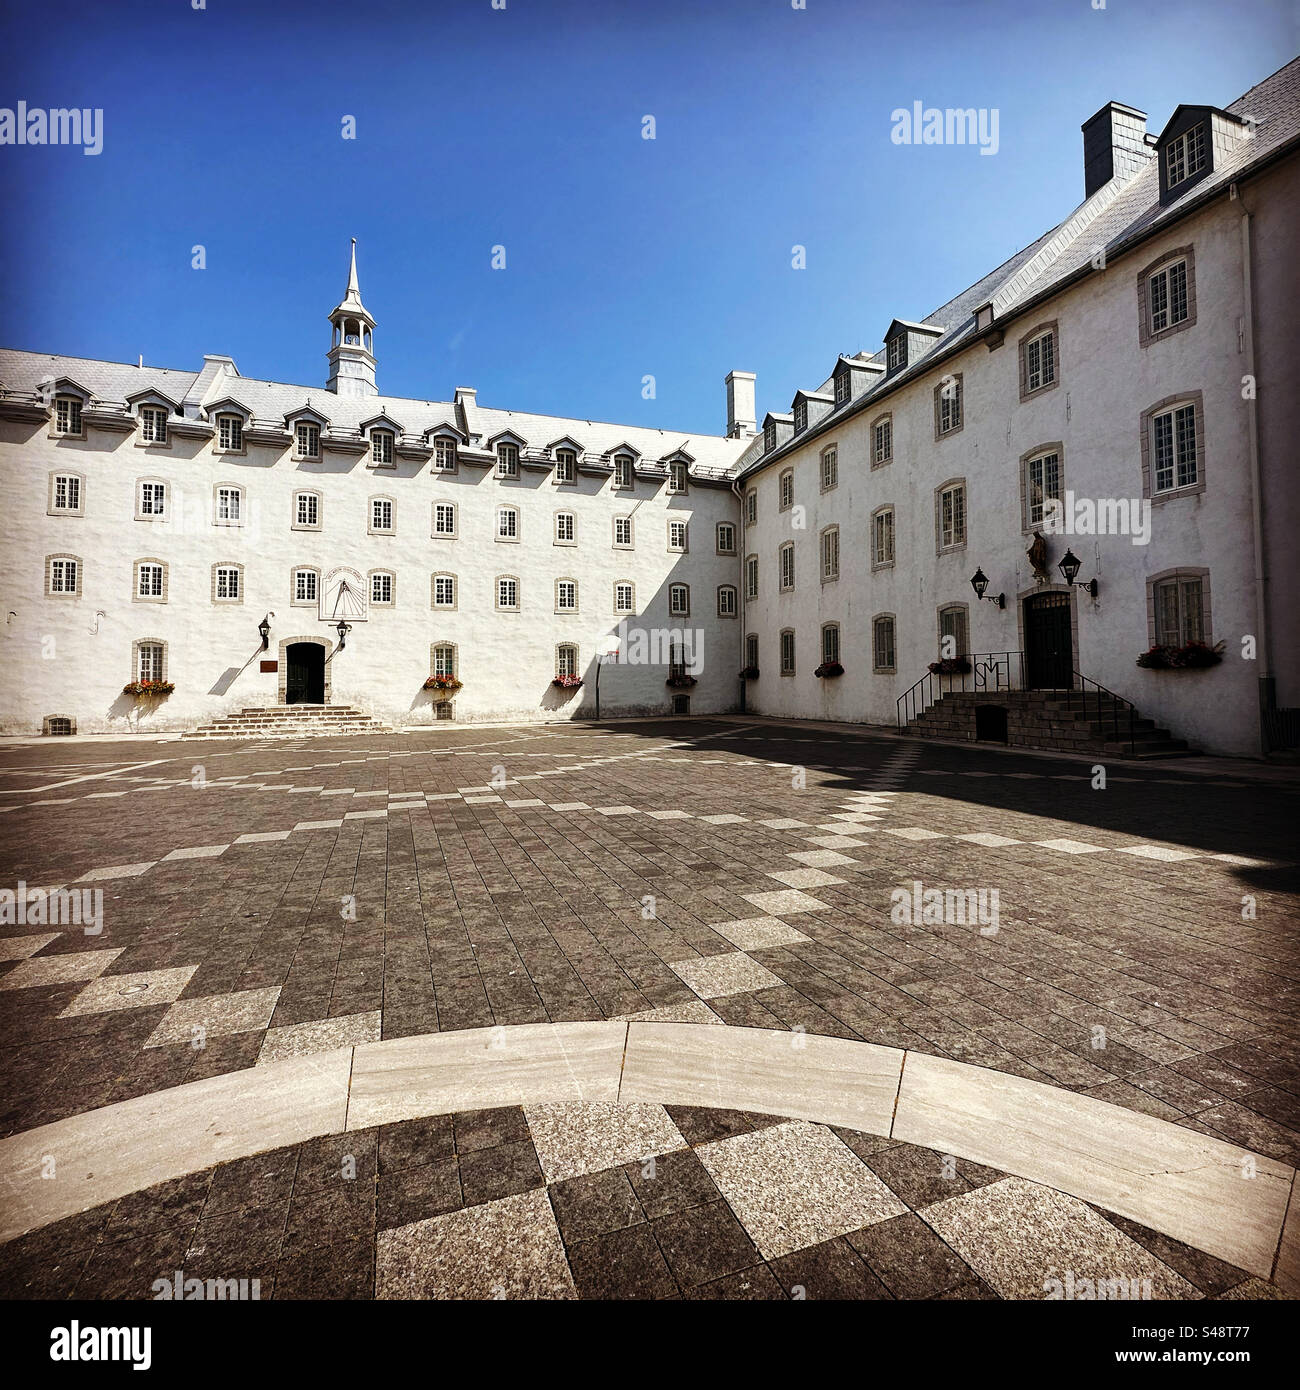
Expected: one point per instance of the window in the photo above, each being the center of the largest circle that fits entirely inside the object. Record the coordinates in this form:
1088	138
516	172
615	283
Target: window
882	643
751	649
566	466
950	515
624	597
787	652
306	511
751	507
508	594
444	518
306	438
444	659
230	505
565	528
153	424
1037	360
227	583
953	639
831	642
882	538
507	523
1042	481
676	535
947	406
785	490
727	606
623	472
230	434
304	586
62	574
1167	297
769	436
751	576
566	595
67	415
786	566
152	500
381	447
623	532
677	477
843	387
507	460
1185	155
65	493
444	455
381	515
726	538
882	441
830	469
896	352
1174	448
149	579
381	588
830	554
1180	608
566	659
679	600
800	416
149	661
444	591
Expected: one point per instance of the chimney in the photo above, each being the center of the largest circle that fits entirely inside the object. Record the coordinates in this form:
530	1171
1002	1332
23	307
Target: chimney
741	421
1114	145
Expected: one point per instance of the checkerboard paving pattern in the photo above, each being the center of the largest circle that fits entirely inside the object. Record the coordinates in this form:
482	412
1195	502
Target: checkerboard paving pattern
609	1202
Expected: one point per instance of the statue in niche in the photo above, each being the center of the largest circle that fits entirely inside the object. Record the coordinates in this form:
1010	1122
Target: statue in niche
1037	553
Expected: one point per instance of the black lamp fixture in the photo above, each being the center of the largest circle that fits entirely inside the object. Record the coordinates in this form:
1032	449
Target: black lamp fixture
979	581
264	627
1069	567
343	629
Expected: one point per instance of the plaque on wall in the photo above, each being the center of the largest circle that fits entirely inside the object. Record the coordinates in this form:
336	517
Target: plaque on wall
270	666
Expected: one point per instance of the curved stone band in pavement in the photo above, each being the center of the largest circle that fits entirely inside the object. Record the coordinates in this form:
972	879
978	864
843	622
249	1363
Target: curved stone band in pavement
1209	1194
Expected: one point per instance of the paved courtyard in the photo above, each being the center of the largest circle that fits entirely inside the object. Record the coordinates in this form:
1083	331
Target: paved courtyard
290	901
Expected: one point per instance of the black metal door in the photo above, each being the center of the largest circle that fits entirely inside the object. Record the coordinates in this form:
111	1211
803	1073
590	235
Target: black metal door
304	674
1049	651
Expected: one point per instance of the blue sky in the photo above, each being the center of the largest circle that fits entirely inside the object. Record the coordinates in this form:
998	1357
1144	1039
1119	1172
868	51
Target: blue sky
523	128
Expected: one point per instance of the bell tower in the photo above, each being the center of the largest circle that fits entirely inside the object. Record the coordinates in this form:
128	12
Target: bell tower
352	346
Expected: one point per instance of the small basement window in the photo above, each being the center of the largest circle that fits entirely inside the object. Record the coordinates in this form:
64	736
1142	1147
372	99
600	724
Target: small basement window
59	725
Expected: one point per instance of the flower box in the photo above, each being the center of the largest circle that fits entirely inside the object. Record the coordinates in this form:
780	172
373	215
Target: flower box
680	682
951	666
442	685
750	673
1194	656
146	690
829	668
567	682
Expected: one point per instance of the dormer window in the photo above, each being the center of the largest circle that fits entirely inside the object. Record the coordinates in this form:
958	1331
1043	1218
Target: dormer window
623	472
896	352
307	441
769	437
843	388
507	460
677	477
230	433
153	424
67	415
381	447
444	455
566	466
1185	155
800	416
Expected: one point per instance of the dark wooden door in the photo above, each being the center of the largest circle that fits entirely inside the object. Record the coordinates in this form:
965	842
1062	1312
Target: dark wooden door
304	674
1049	650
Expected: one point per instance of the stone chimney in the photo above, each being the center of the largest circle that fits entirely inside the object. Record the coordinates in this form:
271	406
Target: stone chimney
1114	145
741	420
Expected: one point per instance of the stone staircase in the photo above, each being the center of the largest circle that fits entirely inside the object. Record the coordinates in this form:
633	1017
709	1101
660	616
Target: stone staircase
291	721
1067	721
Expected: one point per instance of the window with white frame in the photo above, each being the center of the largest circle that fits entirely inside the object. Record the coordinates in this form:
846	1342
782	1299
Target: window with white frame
306	439
153	424
67	415
830	468
381	588
1040	361
843	388
148	579
751	576
228	582
785	567
1179	610
800	416
381	514
444	659
230	434
882	537
444	518
676	535
304	586
507	594
623	531
726	534
444	455
65	492
566	466
381	446
751	507
882	441
64	575
149	661
882	643
566	525
444	591
679	600
677	477
830	548
153	499
1173	448
1167	301
1042	481
896	352
623	472
306	510
230	506
566	595
507	460
507	523
566	659
785	490
952	516
953	637
1185	155
769	436
830	642
727	605
947	405
624	597
787	652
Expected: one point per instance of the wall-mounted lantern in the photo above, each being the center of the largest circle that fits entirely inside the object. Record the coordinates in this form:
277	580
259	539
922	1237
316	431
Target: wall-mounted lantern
979	581
1069	567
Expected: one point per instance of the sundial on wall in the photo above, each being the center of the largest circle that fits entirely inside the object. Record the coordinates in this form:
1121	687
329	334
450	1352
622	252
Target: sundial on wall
343	596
